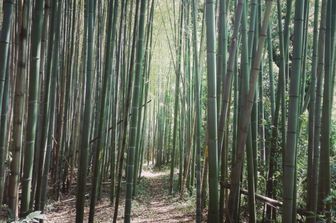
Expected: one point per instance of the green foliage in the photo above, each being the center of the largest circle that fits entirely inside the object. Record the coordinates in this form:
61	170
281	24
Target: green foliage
330	200
143	189
332	196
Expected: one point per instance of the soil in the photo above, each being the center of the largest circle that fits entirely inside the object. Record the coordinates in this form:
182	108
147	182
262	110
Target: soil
151	204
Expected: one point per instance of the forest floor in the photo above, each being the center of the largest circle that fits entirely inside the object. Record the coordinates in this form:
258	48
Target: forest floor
152	204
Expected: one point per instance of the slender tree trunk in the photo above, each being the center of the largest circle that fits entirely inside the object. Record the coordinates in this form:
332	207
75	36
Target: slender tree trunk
33	105
213	213
19	107
85	143
5	37
244	124
289	178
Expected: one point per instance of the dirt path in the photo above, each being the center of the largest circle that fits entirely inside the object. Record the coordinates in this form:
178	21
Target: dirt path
152	204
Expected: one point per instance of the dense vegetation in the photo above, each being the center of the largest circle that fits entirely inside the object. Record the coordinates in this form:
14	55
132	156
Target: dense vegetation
235	97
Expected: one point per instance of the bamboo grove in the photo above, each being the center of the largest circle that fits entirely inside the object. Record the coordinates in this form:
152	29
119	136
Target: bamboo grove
234	97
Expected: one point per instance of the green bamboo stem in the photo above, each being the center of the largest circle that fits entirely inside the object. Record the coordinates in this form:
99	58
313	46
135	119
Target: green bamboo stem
135	108
34	85
19	109
110	37
213	213
311	191
5	37
244	124
289	177
85	143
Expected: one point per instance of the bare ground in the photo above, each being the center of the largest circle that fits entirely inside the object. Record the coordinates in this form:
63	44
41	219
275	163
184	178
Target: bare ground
152	204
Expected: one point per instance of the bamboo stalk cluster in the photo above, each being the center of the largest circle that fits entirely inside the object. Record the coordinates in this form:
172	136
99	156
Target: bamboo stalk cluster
235	97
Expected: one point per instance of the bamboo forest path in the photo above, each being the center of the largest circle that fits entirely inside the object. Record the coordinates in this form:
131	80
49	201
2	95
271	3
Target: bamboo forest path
152	204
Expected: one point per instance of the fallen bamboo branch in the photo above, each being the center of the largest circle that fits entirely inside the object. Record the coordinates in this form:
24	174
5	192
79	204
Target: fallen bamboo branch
269	201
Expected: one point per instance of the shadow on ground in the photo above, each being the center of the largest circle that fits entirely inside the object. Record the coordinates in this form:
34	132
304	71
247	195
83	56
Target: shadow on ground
151	204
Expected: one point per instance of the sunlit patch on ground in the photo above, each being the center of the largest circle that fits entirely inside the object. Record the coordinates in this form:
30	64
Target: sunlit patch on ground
152	204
